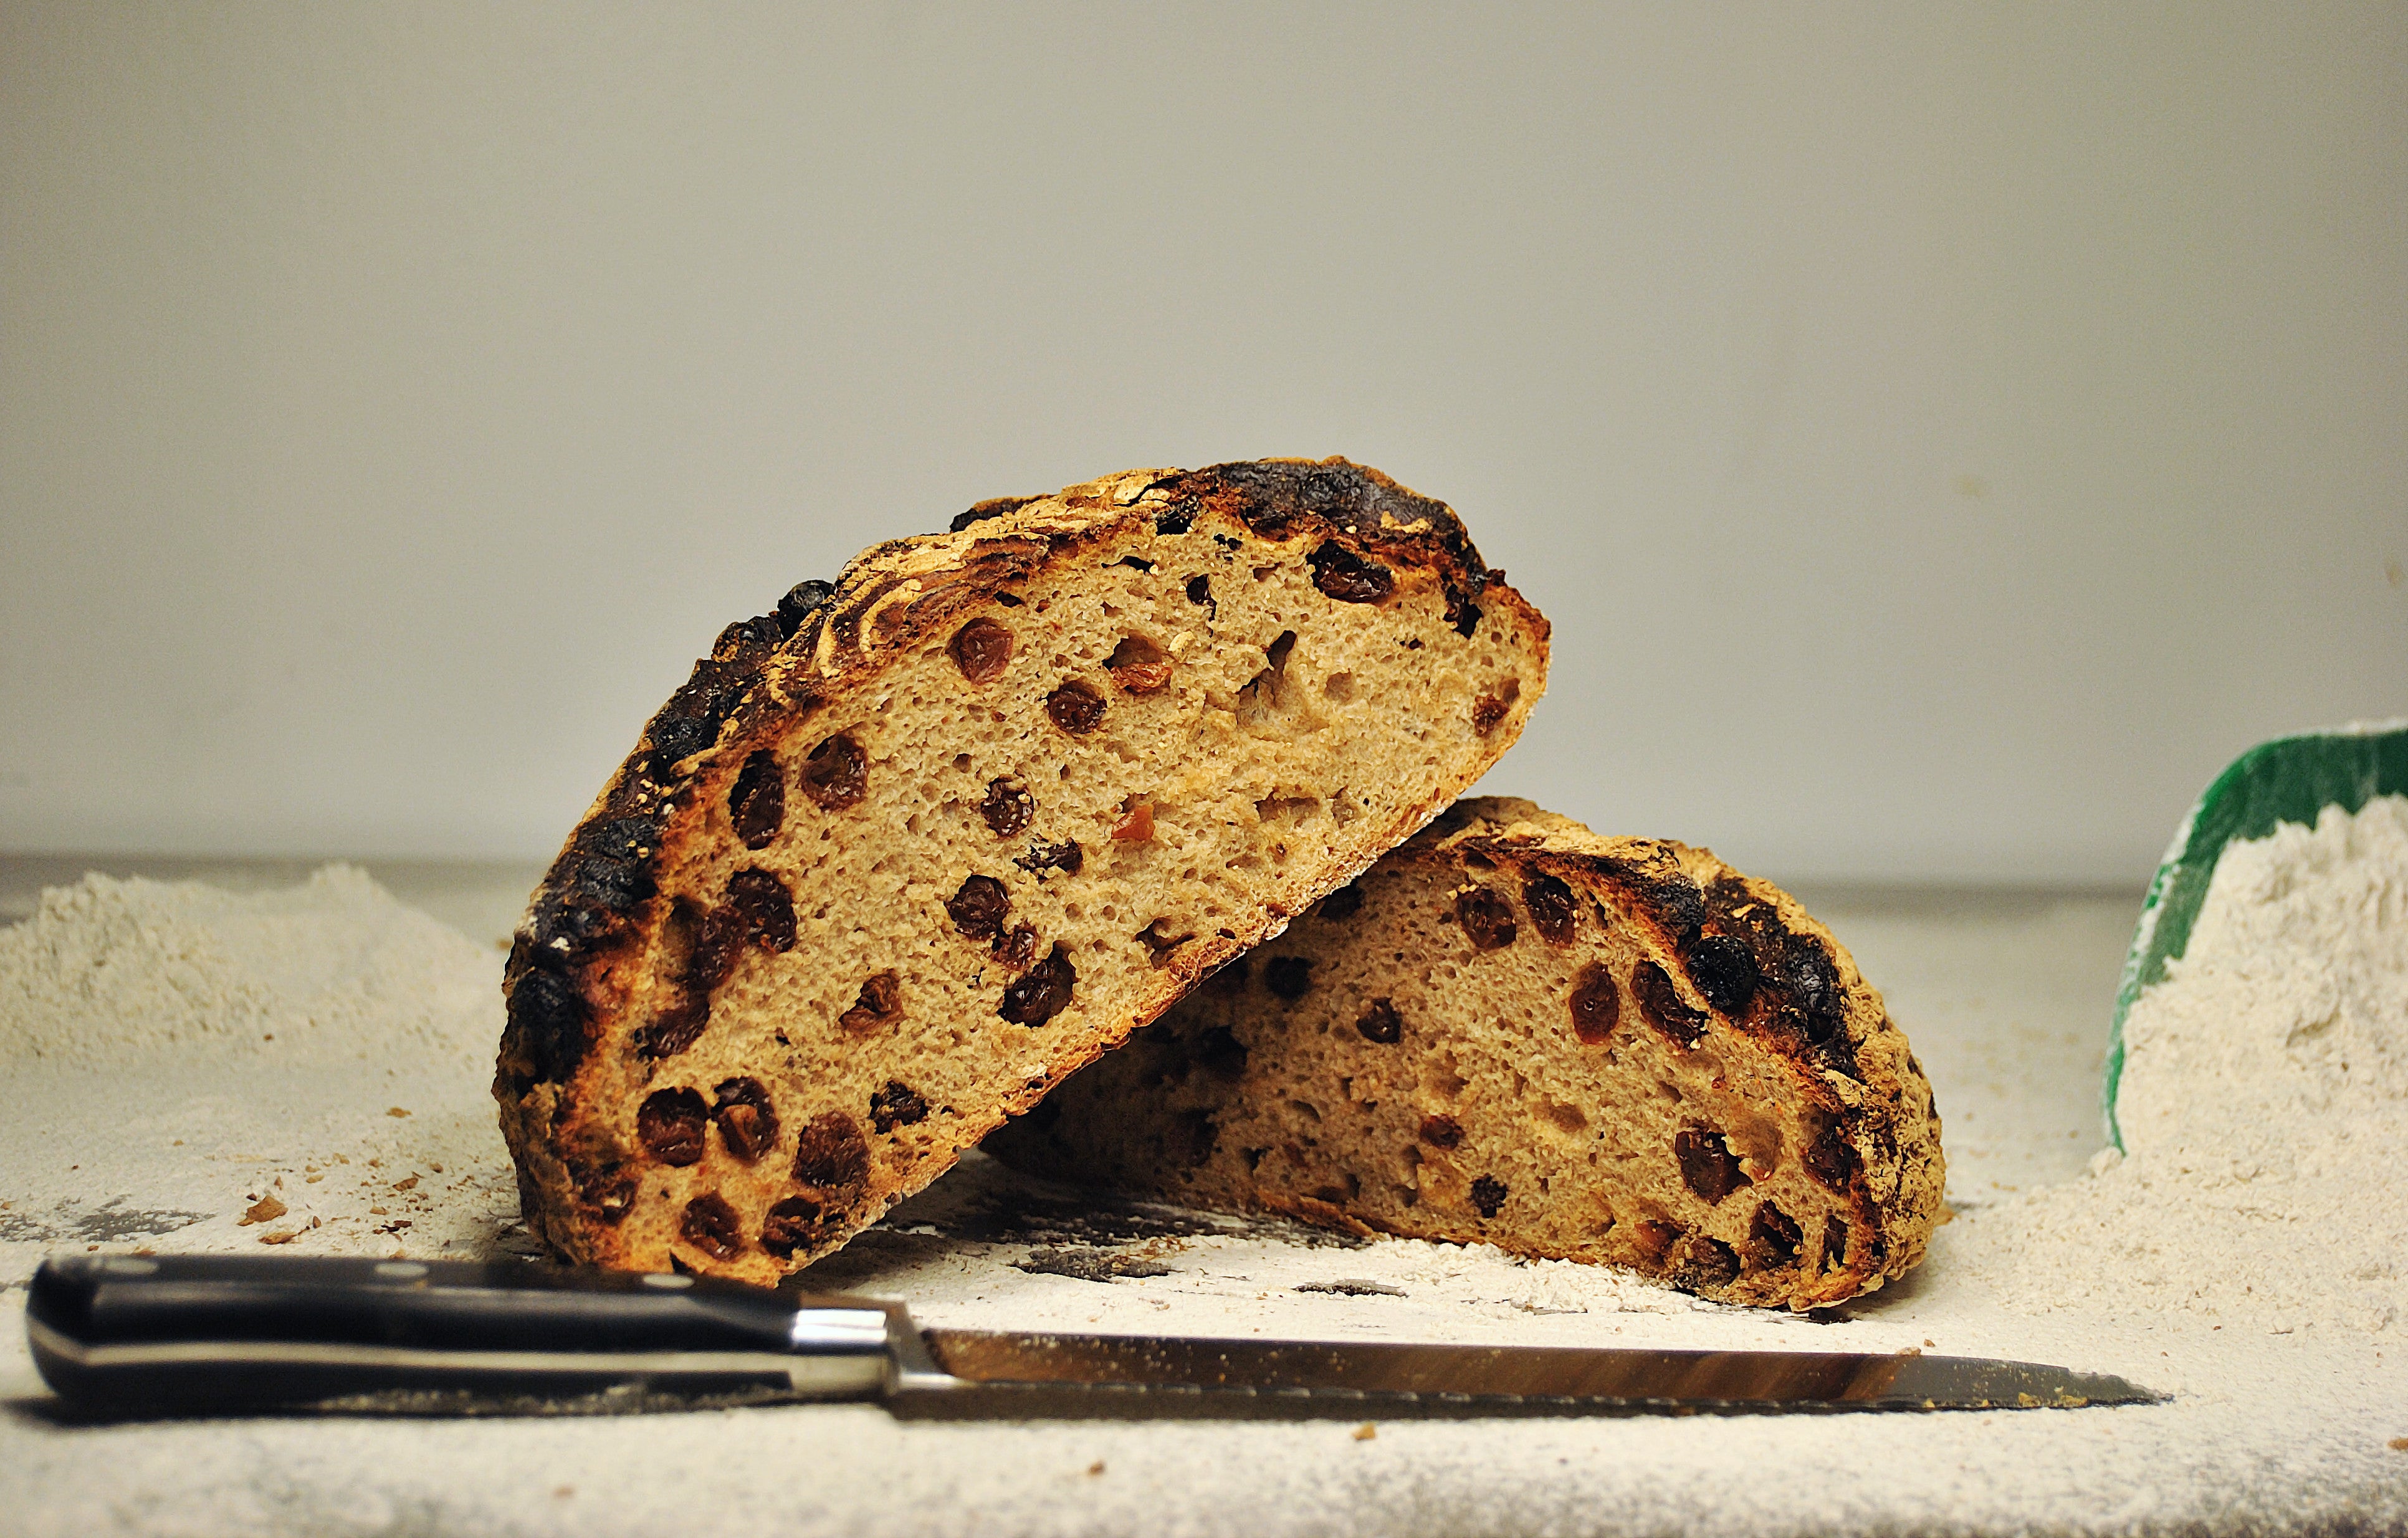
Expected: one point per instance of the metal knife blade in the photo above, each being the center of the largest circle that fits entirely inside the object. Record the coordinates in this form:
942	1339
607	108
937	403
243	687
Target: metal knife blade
152	1335
998	1373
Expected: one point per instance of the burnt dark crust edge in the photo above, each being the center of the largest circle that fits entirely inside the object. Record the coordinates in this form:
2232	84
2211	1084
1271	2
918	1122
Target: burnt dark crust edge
1275	499
1751	968
586	908
589	914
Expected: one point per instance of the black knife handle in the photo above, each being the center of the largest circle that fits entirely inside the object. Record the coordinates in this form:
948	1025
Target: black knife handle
179	1332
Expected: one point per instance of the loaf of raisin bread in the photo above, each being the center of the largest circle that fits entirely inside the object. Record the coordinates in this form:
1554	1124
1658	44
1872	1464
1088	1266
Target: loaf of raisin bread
1516	1032
903	854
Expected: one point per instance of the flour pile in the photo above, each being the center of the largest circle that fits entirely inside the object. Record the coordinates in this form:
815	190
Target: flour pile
304	1068
112	973
2263	1105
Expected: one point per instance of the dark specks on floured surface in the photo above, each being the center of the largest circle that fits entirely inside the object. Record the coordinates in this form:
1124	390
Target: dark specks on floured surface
109	1222
1353	1287
1089	1263
980	1206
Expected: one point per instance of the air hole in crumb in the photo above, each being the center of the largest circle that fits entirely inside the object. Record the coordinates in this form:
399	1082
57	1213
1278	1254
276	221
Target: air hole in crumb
1160	943
1287	809
1338	687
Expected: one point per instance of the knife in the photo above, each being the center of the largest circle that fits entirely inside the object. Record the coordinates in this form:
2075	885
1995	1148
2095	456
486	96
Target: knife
181	1334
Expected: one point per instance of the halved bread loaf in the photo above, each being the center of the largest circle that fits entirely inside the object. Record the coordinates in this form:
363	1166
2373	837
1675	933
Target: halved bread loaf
906	853
1514	1031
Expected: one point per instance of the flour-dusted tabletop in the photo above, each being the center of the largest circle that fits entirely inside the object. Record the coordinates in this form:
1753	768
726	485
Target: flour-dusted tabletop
2281	1422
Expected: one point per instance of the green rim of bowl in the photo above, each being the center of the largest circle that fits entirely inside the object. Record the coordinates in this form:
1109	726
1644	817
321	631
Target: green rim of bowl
2288	780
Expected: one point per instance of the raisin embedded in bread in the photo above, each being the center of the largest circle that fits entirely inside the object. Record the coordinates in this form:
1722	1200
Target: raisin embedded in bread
903	854
1514	1031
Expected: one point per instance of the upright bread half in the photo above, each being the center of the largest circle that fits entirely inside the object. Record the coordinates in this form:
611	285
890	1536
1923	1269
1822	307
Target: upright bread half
1514	1031
903	854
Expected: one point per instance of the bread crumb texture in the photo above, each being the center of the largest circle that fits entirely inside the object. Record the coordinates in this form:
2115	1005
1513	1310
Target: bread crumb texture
903	854
1516	1032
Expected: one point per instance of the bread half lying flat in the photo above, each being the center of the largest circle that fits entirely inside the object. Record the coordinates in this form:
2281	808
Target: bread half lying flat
1516	1032
905	853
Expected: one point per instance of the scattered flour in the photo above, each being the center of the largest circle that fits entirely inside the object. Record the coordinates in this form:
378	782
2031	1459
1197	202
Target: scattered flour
115	973
2245	1255
2264	1103
303	1067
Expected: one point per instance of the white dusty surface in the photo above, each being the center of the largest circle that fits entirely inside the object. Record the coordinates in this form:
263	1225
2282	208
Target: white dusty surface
165	1134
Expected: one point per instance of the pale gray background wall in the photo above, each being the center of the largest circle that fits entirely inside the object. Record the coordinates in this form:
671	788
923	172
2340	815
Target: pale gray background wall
1941	437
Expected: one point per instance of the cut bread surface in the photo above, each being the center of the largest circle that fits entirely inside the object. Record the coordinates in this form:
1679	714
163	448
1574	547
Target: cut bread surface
901	857
1514	1031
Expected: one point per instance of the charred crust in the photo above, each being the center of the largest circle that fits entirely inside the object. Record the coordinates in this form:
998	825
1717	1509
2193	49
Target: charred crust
1281	499
1282	493
631	839
745	645
548	1019
596	881
1649	879
803	600
691	722
1176	518
1681	908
